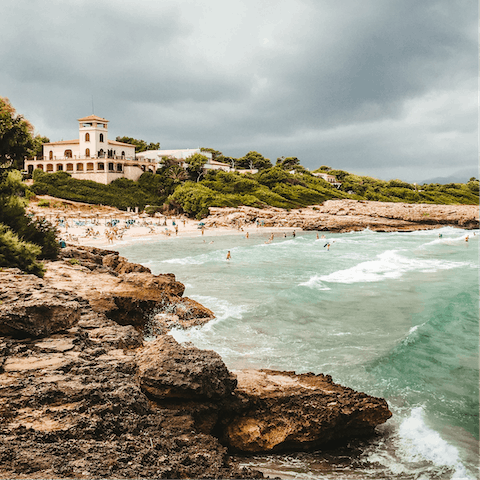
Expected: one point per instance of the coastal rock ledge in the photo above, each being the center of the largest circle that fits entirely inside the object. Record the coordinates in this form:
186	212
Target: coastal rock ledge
84	395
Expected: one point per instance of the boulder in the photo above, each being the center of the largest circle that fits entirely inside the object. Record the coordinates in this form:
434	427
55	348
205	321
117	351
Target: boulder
30	309
168	371
280	411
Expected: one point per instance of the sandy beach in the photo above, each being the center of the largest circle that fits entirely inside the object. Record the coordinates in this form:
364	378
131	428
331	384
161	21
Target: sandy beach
102	226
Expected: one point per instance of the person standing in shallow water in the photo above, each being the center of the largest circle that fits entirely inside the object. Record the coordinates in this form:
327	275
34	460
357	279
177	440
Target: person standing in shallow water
293	234
228	255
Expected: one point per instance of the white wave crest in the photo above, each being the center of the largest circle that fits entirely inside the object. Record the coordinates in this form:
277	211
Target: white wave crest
388	264
418	442
314	283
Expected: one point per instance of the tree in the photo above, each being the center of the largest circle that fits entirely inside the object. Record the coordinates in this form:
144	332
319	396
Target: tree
195	165
177	173
16	136
288	163
254	160
38	142
215	153
140	145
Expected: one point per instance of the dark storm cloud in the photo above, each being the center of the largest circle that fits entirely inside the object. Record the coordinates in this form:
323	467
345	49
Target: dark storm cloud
382	86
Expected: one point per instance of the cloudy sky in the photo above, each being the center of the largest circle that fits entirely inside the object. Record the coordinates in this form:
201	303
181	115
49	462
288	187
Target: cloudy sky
386	88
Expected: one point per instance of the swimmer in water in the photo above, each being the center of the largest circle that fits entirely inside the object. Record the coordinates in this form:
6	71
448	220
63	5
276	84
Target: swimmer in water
228	255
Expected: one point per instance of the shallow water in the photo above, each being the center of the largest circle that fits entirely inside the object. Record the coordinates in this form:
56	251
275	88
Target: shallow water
394	315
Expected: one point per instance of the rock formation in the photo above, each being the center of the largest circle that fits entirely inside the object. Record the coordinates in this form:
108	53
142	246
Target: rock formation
83	394
351	215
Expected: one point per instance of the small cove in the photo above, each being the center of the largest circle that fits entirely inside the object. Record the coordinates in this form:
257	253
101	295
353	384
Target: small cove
391	314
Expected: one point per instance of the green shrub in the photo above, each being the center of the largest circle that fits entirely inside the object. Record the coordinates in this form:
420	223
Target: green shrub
15	252
43	203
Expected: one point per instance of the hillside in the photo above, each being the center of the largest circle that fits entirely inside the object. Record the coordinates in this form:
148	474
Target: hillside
273	187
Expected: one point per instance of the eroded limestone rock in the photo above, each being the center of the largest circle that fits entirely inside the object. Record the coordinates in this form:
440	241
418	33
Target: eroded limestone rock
168	370
283	411
28	308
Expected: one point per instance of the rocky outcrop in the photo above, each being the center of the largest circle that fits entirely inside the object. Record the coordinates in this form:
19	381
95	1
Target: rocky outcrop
125	292
90	398
72	403
281	411
350	215
29	308
170	371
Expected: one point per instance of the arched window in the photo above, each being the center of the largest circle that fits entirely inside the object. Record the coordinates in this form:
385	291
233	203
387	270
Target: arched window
69	167
49	167
87	137
110	167
79	167
89	167
59	167
87	152
123	154
68	154
101	153
119	167
101	137
100	166
50	155
40	167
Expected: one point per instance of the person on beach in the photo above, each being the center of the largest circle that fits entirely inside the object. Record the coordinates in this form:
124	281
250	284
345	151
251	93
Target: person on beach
317	235
293	234
246	235
228	255
176	229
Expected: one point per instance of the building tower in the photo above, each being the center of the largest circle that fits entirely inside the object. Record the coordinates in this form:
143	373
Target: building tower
93	136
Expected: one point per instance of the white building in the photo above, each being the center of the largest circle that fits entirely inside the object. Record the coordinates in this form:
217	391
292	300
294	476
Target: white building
92	156
329	178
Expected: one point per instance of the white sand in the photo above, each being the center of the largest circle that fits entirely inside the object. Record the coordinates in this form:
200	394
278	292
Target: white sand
76	221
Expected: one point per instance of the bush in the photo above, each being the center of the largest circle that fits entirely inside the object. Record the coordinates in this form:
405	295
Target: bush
16	253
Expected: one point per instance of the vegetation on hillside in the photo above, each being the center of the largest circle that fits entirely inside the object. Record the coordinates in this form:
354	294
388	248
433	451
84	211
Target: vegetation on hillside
23	240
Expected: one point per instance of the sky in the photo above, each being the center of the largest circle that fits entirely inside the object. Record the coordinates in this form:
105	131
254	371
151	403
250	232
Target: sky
386	88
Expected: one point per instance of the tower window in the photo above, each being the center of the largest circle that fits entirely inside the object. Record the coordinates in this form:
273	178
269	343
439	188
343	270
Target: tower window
87	137
87	152
101	137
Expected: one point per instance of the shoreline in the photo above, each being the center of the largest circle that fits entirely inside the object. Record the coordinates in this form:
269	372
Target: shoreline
91	225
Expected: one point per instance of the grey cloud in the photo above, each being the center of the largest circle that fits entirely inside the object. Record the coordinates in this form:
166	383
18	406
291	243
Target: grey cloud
280	80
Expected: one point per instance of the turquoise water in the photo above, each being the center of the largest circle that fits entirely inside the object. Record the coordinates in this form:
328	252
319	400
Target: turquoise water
394	315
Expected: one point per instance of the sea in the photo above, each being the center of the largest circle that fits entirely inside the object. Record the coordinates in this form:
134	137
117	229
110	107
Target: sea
394	315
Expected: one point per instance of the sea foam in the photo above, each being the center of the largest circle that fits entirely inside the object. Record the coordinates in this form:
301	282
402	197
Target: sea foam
388	264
